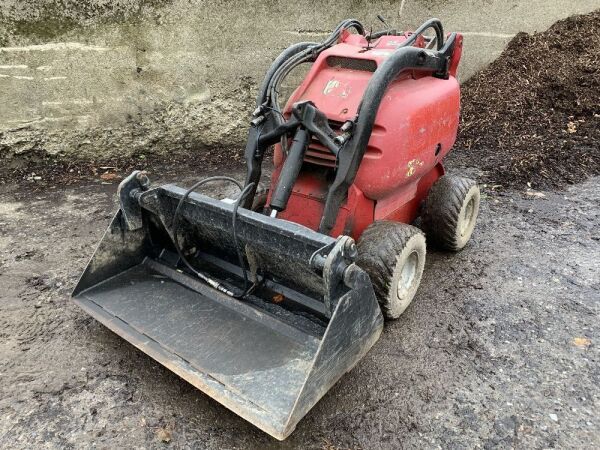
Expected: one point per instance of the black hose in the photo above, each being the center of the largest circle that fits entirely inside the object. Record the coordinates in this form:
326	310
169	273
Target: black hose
372	36
305	52
283	56
290	59
236	205
303	56
437	26
175	227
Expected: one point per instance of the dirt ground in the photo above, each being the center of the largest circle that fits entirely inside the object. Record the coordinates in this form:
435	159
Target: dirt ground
499	349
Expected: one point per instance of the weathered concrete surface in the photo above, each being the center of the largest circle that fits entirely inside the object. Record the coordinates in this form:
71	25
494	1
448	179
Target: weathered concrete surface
103	78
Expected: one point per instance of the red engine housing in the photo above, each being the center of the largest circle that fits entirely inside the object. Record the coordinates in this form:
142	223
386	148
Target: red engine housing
415	128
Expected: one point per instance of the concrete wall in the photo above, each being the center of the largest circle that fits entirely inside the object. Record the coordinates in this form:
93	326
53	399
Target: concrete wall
130	77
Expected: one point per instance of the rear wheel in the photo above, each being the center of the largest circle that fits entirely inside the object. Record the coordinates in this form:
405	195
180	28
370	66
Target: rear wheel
450	212
393	254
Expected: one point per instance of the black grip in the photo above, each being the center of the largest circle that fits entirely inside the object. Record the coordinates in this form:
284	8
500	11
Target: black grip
290	170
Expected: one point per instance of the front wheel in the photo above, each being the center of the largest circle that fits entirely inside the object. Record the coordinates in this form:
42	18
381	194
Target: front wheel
393	254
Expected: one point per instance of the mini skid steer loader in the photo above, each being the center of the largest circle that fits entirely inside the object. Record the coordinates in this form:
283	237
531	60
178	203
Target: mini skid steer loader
263	302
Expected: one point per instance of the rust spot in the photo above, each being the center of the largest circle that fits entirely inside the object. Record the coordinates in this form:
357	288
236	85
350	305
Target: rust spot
109	176
278	298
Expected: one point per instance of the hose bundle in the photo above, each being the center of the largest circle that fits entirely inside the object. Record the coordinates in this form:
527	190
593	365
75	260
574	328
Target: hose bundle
291	58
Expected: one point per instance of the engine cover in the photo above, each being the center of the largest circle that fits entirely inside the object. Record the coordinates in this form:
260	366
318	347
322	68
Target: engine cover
415	128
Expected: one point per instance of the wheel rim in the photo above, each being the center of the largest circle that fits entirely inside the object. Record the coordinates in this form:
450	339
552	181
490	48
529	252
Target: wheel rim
468	216
408	274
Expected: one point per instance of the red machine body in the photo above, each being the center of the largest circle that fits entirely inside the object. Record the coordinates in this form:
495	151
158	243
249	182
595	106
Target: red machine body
415	128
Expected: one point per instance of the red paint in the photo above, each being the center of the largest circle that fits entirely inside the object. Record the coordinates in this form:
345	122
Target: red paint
418	118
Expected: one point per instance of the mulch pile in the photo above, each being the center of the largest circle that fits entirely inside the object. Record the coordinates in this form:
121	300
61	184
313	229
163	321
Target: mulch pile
533	115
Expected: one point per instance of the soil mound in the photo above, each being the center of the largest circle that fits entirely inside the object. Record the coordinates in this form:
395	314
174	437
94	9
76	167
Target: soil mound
533	115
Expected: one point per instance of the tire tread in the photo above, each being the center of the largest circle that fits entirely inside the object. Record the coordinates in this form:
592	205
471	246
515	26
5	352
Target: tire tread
378	248
442	210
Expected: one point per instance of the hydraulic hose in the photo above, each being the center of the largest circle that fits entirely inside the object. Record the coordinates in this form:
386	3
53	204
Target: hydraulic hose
283	57
437	26
268	96
306	55
220	286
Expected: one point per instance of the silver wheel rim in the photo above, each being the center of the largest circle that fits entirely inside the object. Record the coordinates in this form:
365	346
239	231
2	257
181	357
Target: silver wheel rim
407	274
468	216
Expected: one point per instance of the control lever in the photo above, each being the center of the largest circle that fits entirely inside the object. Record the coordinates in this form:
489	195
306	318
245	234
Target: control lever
317	123
310	122
290	170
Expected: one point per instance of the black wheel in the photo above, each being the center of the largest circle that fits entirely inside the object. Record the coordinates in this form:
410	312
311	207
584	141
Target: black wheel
393	254
450	212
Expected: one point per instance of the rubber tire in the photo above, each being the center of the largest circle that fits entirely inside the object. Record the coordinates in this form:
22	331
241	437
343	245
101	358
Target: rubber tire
383	248
443	218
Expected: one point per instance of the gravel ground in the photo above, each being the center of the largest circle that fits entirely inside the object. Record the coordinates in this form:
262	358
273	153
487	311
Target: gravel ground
499	349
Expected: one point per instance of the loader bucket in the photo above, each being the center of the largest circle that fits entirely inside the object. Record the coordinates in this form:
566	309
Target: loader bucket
269	357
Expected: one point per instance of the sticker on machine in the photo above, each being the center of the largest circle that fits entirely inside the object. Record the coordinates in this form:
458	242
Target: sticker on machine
393	43
337	88
412	167
382	53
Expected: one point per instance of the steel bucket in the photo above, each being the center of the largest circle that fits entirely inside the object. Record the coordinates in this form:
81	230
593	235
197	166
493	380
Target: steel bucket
268	357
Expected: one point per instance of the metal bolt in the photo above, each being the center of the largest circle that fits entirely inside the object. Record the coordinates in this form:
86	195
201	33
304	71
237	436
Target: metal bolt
347	125
143	179
350	250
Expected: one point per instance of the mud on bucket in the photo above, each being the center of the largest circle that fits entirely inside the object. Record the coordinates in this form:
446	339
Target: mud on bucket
268	357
